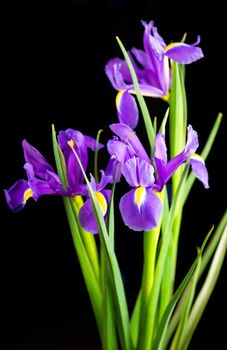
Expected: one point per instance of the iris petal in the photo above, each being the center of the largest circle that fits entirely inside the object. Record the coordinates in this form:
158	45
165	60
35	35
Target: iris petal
199	169
15	195
127	109
144	218
183	53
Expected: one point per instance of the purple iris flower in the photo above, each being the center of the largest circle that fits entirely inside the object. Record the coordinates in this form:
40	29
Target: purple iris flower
151	64
166	169
86	214
140	207
42	180
81	143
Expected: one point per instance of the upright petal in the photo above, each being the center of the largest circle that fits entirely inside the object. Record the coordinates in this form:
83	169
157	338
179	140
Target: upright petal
128	136
145	217
138	172
192	140
199	169
34	157
183	53
127	109
160	150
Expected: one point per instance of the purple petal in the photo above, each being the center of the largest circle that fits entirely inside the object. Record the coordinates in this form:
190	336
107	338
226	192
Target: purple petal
138	172
87	218
34	157
144	218
160	150
128	136
192	140
105	179
111	169
199	169
15	196
90	142
121	151
127	109
183	53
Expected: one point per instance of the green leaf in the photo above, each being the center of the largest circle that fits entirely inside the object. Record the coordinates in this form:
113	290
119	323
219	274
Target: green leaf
134	325
169	310
87	266
113	269
206	290
205	260
96	156
142	103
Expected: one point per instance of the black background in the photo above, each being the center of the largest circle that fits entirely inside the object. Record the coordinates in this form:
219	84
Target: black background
52	71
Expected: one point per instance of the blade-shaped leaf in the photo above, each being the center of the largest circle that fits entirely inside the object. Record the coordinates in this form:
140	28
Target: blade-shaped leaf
169	310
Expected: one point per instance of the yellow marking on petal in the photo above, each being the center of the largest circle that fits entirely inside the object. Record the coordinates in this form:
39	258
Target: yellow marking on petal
128	137
102	202
197	157
28	194
118	97
170	46
139	196
71	143
113	156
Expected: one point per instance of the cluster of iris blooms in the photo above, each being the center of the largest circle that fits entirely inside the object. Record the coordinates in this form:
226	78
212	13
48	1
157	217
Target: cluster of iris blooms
140	207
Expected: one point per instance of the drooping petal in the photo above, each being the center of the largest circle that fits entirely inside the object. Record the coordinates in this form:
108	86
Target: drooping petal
50	186
34	157
128	136
17	195
199	169
145	217
127	109
138	172
87	218
183	53
120	150
90	142
113	168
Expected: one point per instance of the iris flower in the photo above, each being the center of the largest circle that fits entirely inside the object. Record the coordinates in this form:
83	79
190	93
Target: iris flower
141	208
86	214
41	180
151	64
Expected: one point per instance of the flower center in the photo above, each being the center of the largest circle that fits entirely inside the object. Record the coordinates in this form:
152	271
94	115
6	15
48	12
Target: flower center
102	202
28	194
140	195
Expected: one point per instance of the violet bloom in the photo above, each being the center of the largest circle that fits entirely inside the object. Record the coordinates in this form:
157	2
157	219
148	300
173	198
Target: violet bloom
86	214
151	64
42	180
140	207
165	169
81	143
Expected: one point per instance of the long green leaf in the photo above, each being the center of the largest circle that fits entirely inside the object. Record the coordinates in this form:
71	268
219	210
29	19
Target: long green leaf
114	271
142	103
205	260
169	310
206	290
90	277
